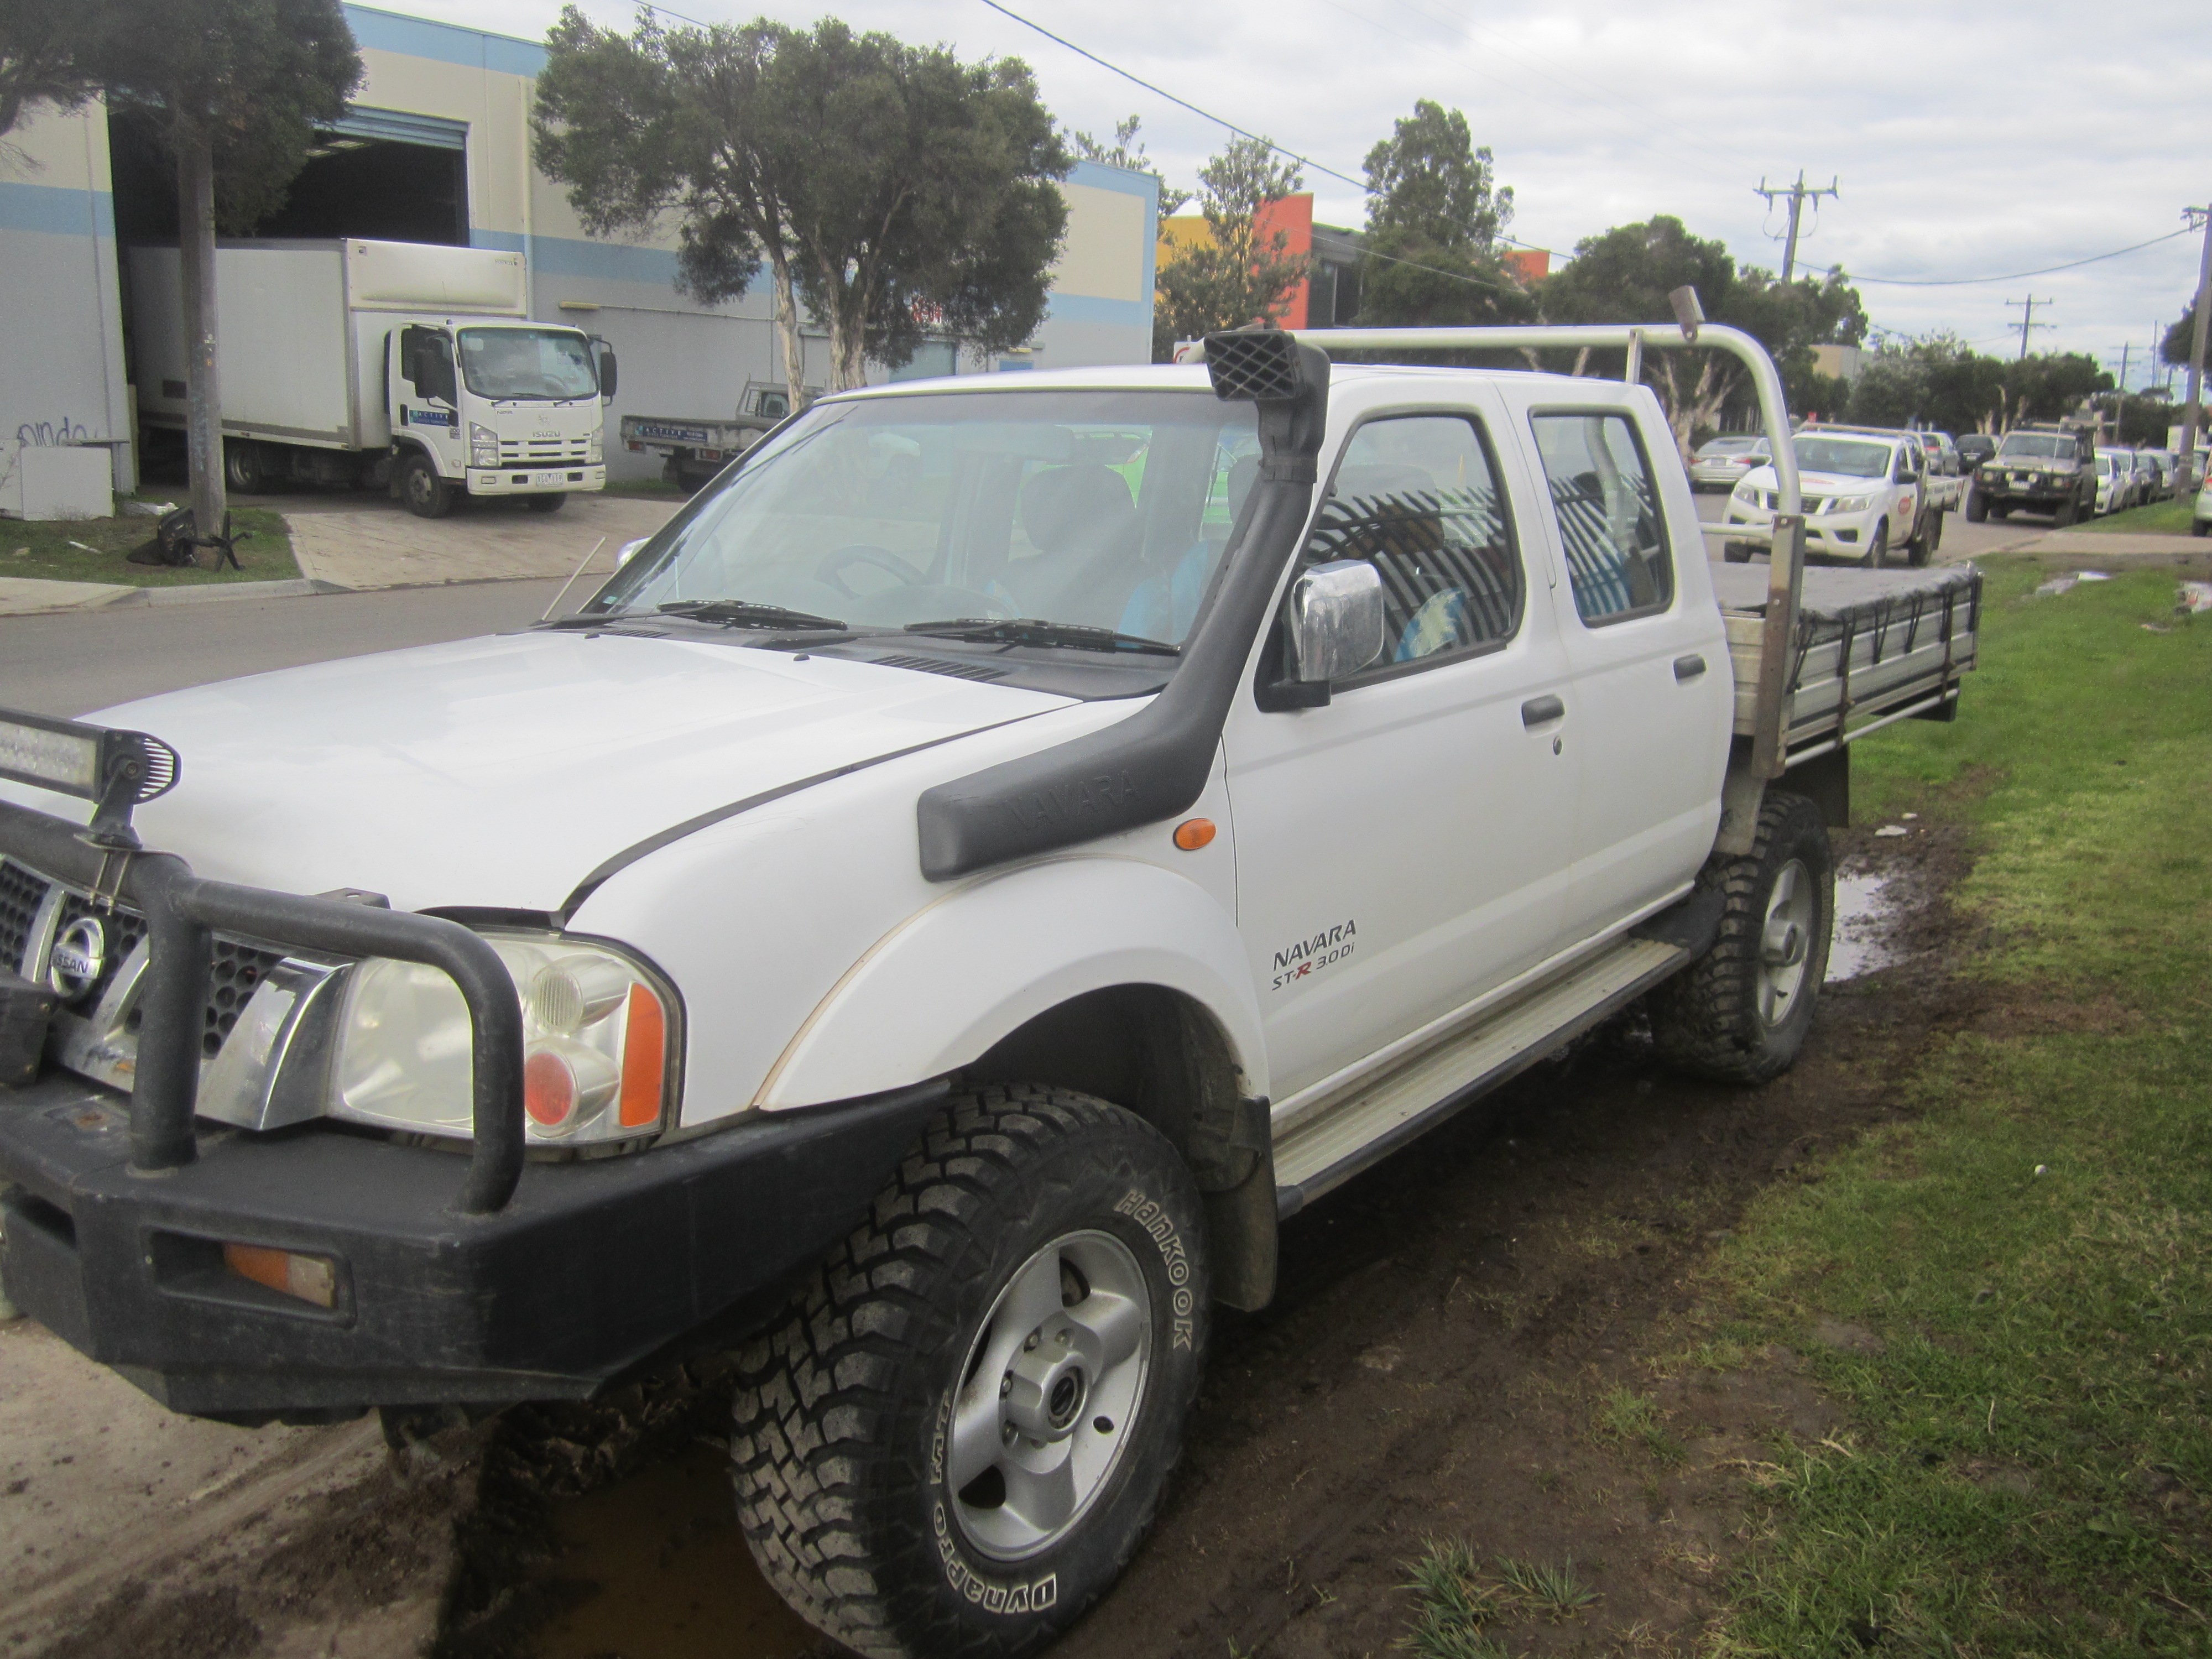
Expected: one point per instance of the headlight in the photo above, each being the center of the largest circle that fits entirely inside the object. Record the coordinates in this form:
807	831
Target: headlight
597	1031
1850	503
483	446
1743	491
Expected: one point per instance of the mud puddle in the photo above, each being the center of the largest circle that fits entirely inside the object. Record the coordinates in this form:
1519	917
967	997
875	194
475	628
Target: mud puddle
1866	921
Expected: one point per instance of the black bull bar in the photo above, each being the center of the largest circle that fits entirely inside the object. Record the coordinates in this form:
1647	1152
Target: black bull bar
183	910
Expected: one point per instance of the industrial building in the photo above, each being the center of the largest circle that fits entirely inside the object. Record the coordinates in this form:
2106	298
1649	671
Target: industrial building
436	148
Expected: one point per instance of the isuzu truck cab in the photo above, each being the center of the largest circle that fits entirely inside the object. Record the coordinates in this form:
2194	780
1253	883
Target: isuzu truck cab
1002	847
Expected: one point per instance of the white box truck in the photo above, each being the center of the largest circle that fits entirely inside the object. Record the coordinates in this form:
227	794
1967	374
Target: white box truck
391	364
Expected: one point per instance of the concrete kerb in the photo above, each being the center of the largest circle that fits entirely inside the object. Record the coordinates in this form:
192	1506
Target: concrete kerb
25	596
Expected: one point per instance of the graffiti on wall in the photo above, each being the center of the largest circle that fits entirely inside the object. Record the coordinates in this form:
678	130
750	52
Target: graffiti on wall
46	434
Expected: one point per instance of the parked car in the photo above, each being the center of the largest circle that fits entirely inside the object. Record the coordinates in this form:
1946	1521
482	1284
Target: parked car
1867	494
1942	453
2047	467
2200	522
2149	481
935	909
2164	461
1719	462
2116	483
1974	448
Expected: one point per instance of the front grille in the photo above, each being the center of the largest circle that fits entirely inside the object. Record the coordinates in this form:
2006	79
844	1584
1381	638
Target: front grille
20	895
235	971
552	453
235	967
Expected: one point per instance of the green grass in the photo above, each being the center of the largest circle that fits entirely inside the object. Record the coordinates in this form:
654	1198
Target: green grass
2028	1468
658	489
2158	518
1458	1598
1634	1419
92	550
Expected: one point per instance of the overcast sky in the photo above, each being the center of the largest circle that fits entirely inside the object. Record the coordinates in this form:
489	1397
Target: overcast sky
1967	141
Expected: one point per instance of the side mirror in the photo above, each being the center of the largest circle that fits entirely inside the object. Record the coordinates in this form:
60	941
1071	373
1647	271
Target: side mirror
603	354
1336	621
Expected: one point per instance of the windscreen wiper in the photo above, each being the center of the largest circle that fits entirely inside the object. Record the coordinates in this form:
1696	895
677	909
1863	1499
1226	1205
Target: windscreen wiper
744	613
1031	630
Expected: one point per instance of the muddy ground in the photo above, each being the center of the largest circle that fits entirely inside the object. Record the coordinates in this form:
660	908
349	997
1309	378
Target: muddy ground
1448	1330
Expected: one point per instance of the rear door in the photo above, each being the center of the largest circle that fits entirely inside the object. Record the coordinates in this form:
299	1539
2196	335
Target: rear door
1652	691
1405	848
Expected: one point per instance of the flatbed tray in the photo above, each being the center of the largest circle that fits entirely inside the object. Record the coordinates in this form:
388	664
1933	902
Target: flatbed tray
1869	643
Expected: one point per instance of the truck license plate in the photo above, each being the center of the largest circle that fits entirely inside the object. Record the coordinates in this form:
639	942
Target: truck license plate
547	480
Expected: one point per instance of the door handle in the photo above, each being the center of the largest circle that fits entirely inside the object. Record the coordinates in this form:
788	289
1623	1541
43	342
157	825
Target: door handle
1539	711
1689	667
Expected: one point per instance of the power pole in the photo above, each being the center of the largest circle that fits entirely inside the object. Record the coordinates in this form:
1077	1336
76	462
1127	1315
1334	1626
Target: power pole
2120	407
2193	420
2028	319
1798	195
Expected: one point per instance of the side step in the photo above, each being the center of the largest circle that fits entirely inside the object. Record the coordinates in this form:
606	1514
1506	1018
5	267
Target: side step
1378	1116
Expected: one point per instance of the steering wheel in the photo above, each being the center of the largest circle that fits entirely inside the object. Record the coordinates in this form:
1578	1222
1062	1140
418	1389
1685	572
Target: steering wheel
832	567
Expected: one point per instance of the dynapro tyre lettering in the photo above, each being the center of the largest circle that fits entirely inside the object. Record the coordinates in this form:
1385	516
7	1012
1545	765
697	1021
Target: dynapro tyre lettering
989	1594
1154	1220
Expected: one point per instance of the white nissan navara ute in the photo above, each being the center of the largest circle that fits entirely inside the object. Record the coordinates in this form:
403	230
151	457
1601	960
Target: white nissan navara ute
998	850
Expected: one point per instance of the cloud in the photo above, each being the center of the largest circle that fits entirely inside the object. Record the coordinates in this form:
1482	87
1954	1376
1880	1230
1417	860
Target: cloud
1966	142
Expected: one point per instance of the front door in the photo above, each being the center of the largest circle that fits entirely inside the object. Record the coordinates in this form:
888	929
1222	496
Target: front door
1403	848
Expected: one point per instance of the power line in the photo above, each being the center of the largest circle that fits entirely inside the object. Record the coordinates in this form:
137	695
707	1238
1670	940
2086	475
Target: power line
2009	276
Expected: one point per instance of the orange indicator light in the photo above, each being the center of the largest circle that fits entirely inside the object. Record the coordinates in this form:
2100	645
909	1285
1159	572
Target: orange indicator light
645	1046
1194	833
310	1278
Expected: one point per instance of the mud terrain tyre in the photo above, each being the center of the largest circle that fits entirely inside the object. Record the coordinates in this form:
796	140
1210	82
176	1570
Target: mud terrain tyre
1978	506
962	1427
1739	1014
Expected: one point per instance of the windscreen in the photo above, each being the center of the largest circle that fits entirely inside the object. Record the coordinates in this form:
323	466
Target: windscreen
1839	455
1105	509
527	362
2037	446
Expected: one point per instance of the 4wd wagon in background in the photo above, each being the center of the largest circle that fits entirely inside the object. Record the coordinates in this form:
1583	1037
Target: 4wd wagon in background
2040	468
993	854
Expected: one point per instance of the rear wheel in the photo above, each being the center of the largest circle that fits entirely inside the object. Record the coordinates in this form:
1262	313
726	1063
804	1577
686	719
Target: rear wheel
957	1438
1740	1013
426	493
245	466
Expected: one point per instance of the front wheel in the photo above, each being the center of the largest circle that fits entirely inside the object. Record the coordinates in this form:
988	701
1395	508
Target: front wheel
1978	506
427	496
958	1436
1877	553
2067	513
1740	1013
545	504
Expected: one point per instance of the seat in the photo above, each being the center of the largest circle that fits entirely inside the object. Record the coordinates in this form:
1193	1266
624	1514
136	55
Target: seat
1082	522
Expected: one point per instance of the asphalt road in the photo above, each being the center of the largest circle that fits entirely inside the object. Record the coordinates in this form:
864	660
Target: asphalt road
71	664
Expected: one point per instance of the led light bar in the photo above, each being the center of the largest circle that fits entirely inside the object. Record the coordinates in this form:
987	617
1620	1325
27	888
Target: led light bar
117	769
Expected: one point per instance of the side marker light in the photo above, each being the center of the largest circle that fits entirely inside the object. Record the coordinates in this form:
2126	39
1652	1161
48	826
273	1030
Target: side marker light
310	1278
1194	833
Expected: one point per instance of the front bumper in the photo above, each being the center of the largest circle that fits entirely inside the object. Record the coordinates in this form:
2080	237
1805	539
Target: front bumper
589	1268
537	480
1832	535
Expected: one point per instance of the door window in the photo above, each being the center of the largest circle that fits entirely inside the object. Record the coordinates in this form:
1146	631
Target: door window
1607	507
1415	495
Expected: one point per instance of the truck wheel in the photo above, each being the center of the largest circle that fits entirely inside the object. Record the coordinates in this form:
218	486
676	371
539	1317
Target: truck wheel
1738	1013
552	503
957	1437
1978	506
427	495
245	466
